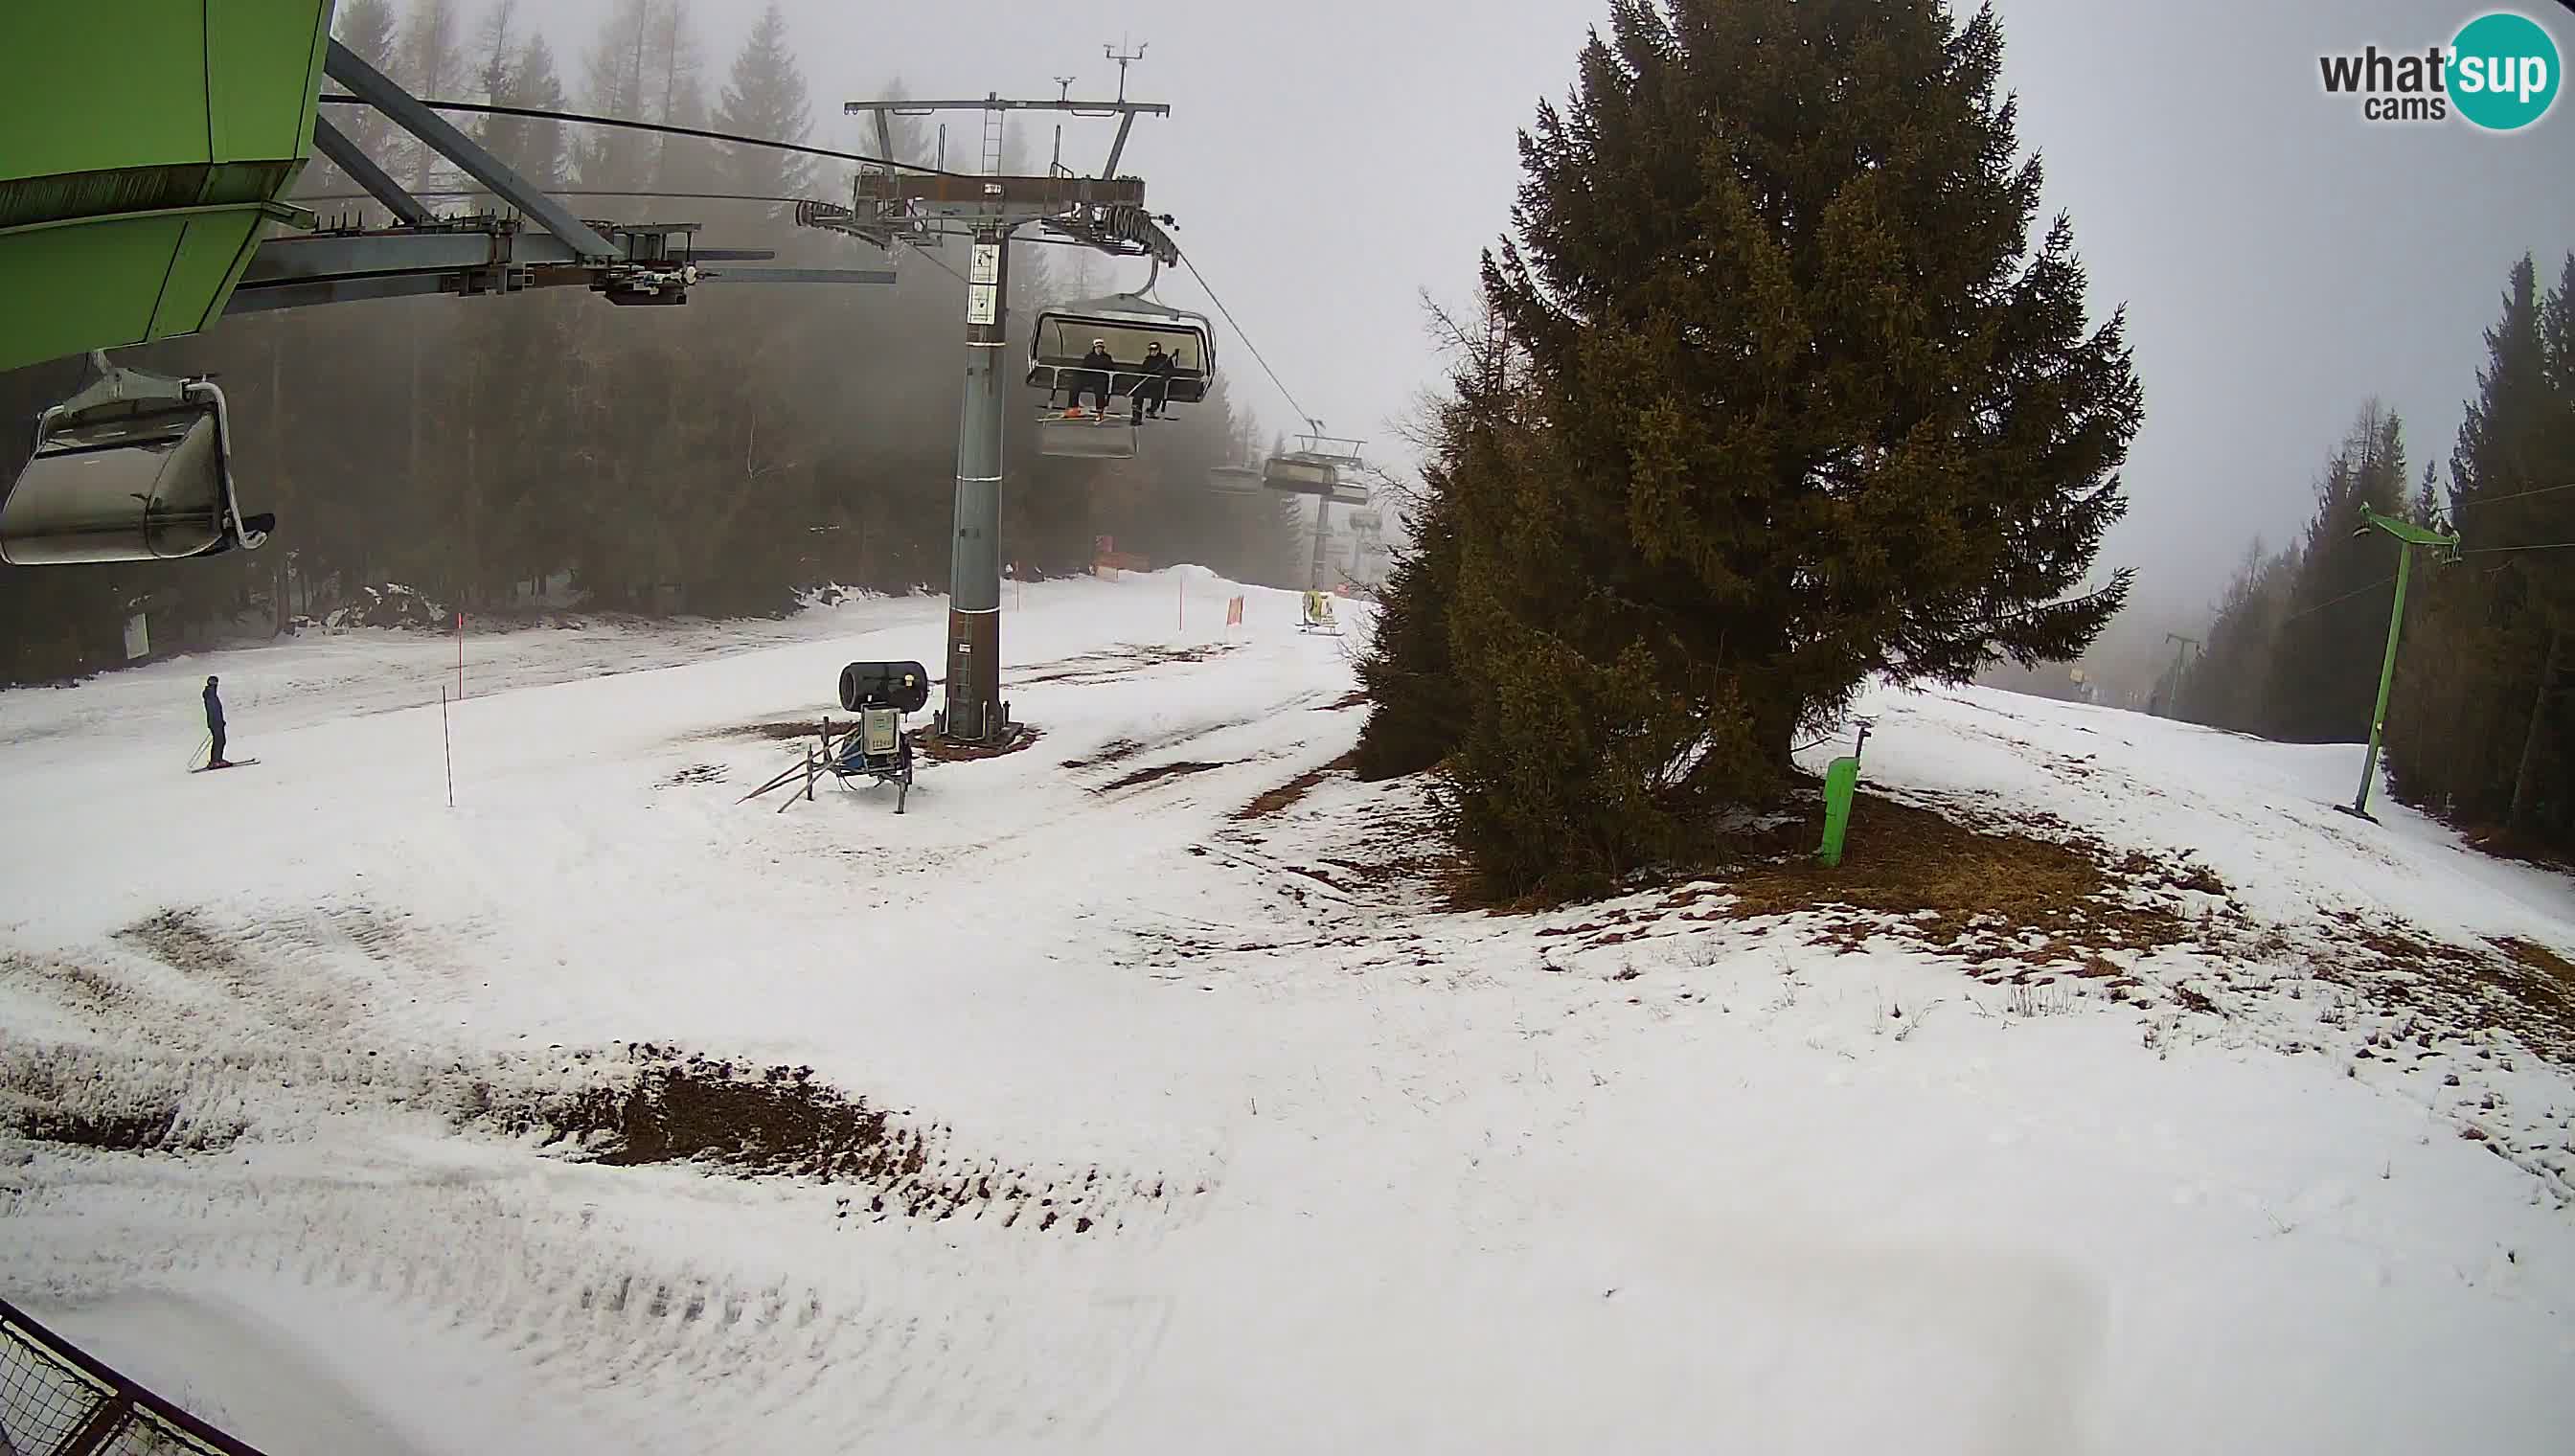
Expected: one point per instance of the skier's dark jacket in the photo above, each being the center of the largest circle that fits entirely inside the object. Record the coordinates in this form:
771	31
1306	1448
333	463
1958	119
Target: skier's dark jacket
214	710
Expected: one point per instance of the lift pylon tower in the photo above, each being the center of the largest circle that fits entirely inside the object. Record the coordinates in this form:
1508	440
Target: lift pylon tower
1105	213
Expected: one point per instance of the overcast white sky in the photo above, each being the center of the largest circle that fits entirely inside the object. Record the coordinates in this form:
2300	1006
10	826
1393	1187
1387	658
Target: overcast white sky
2281	259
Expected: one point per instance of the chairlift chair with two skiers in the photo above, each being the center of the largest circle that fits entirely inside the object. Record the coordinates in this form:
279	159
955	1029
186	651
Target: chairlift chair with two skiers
1106	349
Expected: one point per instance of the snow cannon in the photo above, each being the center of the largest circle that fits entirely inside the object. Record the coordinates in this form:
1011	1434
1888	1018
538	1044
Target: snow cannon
903	686
135	468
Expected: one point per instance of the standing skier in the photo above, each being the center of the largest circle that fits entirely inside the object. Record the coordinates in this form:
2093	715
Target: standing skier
215	726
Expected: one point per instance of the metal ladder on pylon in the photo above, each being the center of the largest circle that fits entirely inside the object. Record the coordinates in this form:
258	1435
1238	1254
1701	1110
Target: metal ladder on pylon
993	142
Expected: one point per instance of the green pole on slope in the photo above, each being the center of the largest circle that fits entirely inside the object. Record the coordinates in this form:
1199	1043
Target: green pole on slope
2408	536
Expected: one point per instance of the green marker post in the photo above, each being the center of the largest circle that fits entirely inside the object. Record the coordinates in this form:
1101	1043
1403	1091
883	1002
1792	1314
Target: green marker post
1841	780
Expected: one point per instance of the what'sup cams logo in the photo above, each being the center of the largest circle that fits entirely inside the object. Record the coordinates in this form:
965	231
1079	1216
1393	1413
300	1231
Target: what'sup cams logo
2500	72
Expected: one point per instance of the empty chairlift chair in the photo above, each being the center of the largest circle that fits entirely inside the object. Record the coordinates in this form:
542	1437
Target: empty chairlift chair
1124	325
1322	465
134	468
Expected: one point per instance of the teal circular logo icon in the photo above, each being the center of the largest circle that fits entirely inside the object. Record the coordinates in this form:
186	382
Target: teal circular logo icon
2503	71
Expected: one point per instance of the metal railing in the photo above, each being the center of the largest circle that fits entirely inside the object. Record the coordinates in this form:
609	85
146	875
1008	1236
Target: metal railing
56	1400
1055	379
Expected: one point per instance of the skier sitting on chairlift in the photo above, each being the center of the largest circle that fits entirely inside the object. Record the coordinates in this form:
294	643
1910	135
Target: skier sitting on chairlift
1094	375
1157	383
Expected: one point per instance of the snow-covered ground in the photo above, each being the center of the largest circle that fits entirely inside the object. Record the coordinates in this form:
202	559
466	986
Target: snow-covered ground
1151	1127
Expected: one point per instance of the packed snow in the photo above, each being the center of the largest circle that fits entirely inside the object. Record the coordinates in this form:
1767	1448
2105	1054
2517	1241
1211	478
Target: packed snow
1115	1115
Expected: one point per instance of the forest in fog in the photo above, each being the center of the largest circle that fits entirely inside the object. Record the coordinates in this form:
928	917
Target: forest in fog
714	458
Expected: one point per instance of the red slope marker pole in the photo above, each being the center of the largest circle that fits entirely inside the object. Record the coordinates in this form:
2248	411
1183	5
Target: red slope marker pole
449	745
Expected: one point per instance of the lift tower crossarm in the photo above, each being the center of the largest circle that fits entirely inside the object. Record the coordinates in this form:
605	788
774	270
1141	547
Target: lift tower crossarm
1126	111
2406	531
1106	213
1000	198
1004	103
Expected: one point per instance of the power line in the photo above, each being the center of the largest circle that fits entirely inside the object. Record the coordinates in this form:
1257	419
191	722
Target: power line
533	113
1239	333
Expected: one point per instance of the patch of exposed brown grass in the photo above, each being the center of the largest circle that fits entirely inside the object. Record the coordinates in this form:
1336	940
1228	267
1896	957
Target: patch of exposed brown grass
1113	751
1157	772
1989	893
1274	800
2549	966
949	751
2015	898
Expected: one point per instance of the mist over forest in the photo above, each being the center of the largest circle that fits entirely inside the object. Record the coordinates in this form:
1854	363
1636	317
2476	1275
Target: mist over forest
497	454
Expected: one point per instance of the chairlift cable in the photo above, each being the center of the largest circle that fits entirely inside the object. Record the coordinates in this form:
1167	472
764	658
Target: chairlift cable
1239	333
2490	550
538	114
2515	496
2345	597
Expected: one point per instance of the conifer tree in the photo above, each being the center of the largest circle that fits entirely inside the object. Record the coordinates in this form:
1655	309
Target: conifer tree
1812	405
2323	679
367	27
765	98
431	62
2478	730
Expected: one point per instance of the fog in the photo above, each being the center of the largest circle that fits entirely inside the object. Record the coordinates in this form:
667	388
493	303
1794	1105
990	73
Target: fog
2282	260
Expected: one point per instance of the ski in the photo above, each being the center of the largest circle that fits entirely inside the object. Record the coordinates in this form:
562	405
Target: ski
233	764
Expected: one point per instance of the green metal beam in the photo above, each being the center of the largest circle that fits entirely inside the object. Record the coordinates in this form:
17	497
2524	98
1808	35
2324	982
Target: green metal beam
2406	531
144	152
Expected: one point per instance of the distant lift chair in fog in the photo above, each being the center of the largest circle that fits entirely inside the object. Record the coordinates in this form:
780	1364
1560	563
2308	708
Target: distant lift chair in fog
136	467
1328	467
1125	324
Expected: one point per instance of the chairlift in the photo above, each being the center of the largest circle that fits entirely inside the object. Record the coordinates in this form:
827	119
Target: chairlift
1125	325
1234	479
1317	467
135	468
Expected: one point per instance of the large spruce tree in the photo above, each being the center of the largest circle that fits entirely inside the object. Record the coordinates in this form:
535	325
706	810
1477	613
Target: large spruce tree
2479	727
765	98
1811	407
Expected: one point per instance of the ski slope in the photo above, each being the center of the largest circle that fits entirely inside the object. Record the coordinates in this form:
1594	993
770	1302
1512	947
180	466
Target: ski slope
1183	1130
